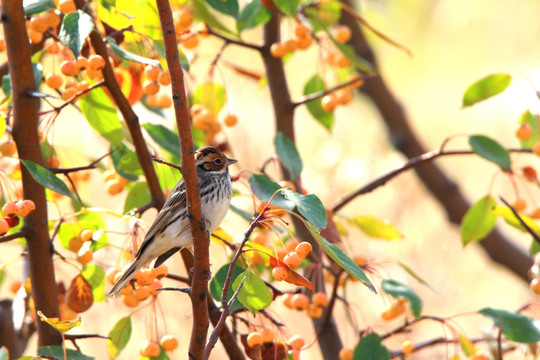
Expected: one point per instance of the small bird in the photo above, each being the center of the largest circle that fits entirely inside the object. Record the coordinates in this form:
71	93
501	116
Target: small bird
171	231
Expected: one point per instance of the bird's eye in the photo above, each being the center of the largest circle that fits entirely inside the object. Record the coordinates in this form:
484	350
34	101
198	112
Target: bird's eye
217	161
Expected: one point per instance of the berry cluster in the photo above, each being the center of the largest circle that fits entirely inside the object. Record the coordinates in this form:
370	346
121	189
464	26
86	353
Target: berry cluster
205	119
11	212
300	302
302	41
143	286
114	183
155	78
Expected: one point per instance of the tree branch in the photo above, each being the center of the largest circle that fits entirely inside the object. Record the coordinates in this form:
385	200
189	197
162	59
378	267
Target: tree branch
25	134
201	242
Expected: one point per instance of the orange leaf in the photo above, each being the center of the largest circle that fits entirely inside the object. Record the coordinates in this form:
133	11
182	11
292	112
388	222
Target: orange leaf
292	277
79	295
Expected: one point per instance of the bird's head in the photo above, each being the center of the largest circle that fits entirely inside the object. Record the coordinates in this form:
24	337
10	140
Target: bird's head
208	158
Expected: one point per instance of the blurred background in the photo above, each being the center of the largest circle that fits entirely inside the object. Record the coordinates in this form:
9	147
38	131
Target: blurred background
453	44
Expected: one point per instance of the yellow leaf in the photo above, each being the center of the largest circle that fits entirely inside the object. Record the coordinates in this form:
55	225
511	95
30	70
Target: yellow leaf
61	325
2	125
376	228
219	235
467	345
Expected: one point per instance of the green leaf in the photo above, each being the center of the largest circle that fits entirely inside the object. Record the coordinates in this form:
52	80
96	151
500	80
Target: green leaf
490	150
252	15
127	55
402	291
218	281
323	16
532	120
57	351
75	28
376	228
288	7
288	154
138	195
95	275
515	327
95	222
370	347
101	114
227	7
119	337
264	188
126	162
534	248
340	257
164	137
254	294
2	275
485	88
310	206
313	85
478	221
244	214
211	95
201	11
46	178
414	275
108	4
34	7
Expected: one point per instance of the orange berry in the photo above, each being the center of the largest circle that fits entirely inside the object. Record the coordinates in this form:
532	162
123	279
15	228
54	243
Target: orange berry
292	260
15	286
291	244
183	18
164	78
342	61
344	96
190	43
346	354
535	286
197	109
300	301
10	209
86	234
2	43
67	313
535	214
145	277
52	17
156	284
519	205
328	103
150	87
536	148
149	349
152	72
143	293
85	257
268	335
479	356
96	62
130	300
524	132
110	275
303	249
281	253
315	312
81	63
51	46
35	36
296	342
128	290
319	299
280	273
54	81
52	161
278	50
163	101
113	187
407	347
25	207
169	342
287	300
301	30
68	68
68	93
259	238
290	45
305	42
67	6
161	271
94	74
230	120
8	148
392	312
342	33
75	244
4	227
255	339
38	24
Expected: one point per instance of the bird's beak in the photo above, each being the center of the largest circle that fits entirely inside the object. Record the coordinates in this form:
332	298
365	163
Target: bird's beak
230	161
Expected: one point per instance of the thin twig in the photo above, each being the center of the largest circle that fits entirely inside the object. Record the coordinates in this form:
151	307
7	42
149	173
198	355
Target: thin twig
9	237
234	41
521	221
158	160
411	163
178	278
333	297
184	290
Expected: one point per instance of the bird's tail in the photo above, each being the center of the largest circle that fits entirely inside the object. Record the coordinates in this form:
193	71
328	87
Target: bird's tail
130	272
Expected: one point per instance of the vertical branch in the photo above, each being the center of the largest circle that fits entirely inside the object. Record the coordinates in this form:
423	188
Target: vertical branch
25	134
328	336
201	242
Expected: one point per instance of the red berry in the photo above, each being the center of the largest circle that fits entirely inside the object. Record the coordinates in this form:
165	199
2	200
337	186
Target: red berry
12	221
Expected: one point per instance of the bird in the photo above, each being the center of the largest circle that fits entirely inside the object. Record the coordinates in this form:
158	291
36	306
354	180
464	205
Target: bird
170	231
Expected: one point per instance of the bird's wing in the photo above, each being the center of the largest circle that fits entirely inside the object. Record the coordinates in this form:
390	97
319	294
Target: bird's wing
174	205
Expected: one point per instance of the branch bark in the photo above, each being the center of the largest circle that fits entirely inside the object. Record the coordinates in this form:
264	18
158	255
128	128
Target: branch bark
499	249
201	264
25	134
